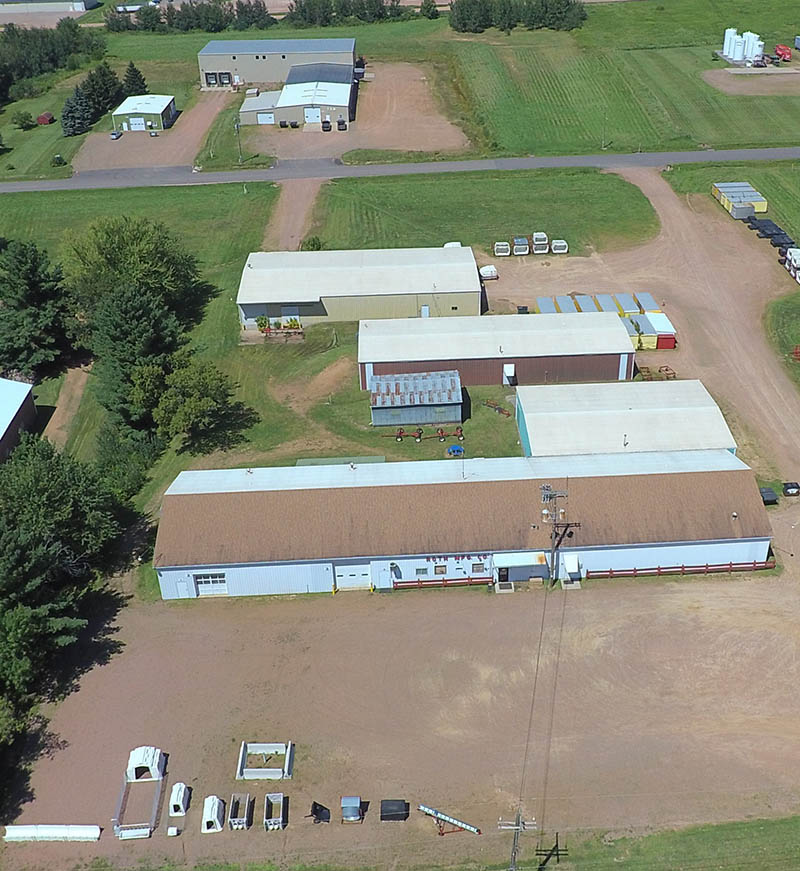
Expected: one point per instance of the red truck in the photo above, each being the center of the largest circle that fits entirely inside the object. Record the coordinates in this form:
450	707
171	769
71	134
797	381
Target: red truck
783	52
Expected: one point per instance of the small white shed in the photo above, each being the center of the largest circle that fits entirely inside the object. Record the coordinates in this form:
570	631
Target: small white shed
179	800
213	814
145	763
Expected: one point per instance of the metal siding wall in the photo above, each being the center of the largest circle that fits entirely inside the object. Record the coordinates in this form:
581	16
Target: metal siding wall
274	69
407	305
457	569
406	416
255	580
524	435
529	370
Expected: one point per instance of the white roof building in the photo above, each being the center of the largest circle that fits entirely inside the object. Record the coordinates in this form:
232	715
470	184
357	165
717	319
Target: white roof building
490	336
620	417
300	276
147	104
17	412
314	94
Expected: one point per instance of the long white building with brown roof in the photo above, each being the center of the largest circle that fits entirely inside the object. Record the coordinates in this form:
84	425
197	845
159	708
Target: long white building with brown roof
310	529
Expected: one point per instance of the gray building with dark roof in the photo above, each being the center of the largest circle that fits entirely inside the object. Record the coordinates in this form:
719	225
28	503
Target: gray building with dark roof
423	397
226	63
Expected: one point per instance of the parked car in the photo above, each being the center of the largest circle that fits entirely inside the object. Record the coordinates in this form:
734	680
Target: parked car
341	125
116	134
326	126
768	496
791	488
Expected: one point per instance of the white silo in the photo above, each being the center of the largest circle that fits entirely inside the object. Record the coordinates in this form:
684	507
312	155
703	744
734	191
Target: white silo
750	40
738	49
759	49
727	43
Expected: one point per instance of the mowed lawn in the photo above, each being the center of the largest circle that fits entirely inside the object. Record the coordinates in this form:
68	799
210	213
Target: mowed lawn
630	79
27	154
779	182
590	209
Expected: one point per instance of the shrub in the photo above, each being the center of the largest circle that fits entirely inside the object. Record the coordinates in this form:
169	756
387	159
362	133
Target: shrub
23	120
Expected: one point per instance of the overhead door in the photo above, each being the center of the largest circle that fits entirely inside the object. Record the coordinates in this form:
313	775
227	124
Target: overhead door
353	577
137	124
312	116
265	117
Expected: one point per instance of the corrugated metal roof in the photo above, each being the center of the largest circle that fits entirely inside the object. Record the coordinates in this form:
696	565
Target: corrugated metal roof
276	46
585	303
151	104
324	72
622	416
448	472
463	516
12	395
546	305
303	276
661	323
264	101
627	303
423	388
647	302
605	302
489	337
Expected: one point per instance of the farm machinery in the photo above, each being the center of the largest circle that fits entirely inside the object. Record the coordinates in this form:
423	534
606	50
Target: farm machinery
418	434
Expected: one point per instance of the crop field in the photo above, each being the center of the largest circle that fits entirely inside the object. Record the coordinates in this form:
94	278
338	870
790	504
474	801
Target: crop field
590	209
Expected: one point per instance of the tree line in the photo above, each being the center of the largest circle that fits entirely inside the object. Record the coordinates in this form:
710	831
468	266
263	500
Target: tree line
211	17
27	52
475	16
100	92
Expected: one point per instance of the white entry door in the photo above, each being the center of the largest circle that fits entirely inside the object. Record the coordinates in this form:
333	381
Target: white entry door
425	311
265	117
138	124
353	577
312	116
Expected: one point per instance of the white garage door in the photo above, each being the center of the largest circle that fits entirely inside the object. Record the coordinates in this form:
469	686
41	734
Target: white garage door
265	117
312	116
138	124
353	577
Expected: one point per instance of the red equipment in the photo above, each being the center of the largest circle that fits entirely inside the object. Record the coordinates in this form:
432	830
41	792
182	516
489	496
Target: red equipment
783	52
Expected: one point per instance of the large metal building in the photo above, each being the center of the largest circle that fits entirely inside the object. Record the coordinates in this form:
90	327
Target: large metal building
323	286
226	63
305	529
500	349
629	417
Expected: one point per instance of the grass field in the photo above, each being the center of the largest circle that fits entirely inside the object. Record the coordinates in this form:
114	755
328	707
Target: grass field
220	150
629	79
779	182
590	209
27	154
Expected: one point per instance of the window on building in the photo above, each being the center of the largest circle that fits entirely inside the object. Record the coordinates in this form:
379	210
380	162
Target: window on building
440	570
478	568
283	56
212	584
422	573
233	57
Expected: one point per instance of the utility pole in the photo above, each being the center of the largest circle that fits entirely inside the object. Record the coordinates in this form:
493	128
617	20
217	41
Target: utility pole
238	139
517	826
560	527
555	852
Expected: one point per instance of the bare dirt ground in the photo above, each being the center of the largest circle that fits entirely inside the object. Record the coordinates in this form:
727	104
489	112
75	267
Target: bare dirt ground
69	398
291	217
305	394
395	111
174	147
716	278
644	715
762	83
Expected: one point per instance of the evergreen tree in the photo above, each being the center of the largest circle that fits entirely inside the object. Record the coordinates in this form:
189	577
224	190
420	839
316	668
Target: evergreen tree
470	16
505	15
102	89
134	84
76	116
149	18
374	10
32	311
429	9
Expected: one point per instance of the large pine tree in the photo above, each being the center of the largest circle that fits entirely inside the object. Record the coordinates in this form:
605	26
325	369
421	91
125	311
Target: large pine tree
134	84
76	116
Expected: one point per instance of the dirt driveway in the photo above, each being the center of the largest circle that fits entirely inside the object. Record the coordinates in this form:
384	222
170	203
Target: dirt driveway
177	146
290	218
395	111
716	278
643	716
762	83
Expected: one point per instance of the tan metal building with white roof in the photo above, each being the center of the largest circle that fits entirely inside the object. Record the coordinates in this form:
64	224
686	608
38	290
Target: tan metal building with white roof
634	417
323	286
500	349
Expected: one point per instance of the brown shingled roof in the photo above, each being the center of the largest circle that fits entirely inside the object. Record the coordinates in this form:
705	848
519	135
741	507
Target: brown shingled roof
286	525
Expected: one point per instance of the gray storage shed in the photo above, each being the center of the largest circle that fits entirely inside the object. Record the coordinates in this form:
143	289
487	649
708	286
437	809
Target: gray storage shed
417	398
226	63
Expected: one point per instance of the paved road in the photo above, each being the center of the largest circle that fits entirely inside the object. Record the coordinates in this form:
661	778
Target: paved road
330	168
